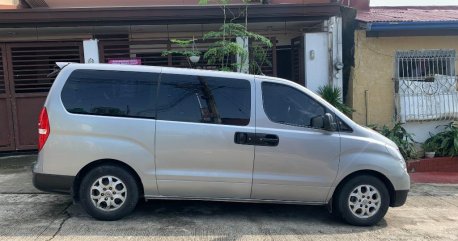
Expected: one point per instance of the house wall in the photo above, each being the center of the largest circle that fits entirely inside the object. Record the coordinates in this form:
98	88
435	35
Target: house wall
374	69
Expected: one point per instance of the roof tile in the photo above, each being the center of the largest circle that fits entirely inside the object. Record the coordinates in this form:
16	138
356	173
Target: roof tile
409	14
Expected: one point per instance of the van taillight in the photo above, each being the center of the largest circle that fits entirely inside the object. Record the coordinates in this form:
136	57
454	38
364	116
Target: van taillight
43	128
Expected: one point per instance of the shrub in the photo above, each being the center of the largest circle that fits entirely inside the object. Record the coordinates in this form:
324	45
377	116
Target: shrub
444	143
332	95
401	137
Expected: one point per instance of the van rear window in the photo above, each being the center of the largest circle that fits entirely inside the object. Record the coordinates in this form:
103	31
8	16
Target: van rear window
111	93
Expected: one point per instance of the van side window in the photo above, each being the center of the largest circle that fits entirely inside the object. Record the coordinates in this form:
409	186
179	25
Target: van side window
203	99
286	105
111	93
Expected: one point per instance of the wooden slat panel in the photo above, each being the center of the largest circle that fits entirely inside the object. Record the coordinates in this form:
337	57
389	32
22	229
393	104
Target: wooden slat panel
150	53
6	120
267	67
40	59
32	63
2	76
69	53
26	114
297	60
5	125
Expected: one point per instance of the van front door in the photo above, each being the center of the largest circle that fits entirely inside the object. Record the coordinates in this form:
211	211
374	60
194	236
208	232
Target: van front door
304	163
197	121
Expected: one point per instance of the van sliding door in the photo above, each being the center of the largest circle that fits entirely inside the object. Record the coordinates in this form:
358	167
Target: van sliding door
198	118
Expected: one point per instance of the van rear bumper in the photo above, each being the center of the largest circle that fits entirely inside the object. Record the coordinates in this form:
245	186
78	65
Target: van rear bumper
53	183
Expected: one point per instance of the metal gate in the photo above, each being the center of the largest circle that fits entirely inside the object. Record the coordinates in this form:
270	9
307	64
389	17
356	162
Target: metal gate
6	118
426	85
24	86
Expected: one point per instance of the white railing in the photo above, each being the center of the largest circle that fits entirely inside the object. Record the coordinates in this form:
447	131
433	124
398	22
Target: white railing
426	85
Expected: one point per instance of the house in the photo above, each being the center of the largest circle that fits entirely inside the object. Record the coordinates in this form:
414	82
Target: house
306	36
404	67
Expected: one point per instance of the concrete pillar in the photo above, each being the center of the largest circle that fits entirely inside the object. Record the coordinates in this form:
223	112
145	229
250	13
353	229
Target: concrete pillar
336	70
243	63
91	51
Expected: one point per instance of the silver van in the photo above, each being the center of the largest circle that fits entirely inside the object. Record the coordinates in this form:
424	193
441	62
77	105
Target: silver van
112	134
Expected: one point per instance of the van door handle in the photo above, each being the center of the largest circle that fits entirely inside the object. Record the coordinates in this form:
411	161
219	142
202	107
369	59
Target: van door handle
244	138
267	139
260	139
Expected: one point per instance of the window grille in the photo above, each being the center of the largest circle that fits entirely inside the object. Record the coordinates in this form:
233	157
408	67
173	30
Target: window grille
426	85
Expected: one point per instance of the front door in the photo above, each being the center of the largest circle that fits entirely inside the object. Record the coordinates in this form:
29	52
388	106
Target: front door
303	164
198	118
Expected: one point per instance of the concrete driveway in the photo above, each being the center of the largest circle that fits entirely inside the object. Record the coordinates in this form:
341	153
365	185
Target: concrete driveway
431	213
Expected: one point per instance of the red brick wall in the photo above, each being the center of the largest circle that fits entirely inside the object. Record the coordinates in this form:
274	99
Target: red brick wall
437	164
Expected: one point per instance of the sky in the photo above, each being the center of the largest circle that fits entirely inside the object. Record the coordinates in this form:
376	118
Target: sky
413	2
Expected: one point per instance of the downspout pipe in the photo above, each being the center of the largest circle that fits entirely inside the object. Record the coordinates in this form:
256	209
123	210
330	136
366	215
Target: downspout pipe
400	26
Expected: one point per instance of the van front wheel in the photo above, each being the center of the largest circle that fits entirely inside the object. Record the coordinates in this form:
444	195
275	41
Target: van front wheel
362	200
108	193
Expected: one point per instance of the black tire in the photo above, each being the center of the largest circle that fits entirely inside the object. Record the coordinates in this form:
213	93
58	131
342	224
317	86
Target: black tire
342	201
130	195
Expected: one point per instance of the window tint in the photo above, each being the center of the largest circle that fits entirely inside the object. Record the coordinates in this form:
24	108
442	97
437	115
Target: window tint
286	105
111	93
204	99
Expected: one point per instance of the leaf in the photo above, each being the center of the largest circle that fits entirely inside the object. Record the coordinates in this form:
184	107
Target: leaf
401	138
332	95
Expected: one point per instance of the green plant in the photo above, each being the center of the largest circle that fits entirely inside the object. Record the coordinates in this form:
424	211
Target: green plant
332	95
430	146
400	137
258	58
444	143
222	51
187	49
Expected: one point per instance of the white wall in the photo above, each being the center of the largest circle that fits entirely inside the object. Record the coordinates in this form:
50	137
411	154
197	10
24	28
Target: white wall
316	56
327	49
421	130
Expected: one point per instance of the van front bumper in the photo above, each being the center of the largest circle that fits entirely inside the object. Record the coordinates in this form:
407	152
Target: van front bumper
399	199
53	183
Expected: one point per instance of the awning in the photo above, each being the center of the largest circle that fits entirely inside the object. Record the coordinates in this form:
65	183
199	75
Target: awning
117	16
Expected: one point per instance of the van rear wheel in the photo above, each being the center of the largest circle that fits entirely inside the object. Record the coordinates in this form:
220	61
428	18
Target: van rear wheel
362	201
108	193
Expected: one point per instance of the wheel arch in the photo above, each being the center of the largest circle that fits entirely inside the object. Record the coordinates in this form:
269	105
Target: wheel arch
103	162
373	173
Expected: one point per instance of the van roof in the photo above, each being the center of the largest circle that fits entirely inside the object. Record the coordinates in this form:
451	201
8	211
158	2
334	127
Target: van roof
132	67
124	67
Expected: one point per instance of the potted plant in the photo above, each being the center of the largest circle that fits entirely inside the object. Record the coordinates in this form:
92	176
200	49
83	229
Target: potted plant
187	49
194	54
444	143
430	147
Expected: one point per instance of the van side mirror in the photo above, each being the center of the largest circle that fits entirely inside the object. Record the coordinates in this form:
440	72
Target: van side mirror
329	123
325	122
